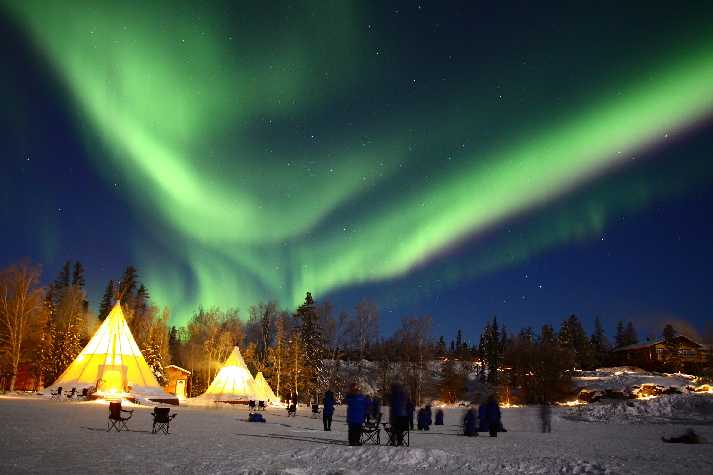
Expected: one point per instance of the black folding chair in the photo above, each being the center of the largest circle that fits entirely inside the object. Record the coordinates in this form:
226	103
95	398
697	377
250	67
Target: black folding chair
57	395
251	405
116	420
315	410
162	420
393	435
261	405
292	410
72	394
371	432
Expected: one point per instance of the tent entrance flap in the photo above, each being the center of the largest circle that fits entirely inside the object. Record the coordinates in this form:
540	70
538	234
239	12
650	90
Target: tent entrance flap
112	379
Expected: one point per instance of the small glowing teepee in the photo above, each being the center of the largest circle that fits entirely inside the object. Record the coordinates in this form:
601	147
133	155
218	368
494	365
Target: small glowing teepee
263	390
233	382
113	364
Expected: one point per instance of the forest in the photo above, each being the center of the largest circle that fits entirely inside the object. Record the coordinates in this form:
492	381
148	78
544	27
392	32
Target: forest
300	351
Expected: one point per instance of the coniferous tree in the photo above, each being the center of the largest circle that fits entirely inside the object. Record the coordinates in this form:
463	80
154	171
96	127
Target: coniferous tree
128	284
491	349
573	338
78	275
630	336
669	333
441	348
107	301
312	344
620	338
62	281
599	343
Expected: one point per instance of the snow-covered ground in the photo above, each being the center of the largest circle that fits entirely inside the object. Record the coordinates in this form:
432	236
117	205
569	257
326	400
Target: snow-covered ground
39	435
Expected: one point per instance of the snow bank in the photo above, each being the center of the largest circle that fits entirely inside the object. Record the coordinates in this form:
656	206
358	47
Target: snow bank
681	407
623	378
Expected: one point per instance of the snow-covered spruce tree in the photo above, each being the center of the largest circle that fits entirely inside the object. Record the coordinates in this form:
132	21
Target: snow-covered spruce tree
314	376
107	301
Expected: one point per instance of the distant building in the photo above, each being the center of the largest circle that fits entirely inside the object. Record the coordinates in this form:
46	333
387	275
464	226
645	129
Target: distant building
177	381
680	353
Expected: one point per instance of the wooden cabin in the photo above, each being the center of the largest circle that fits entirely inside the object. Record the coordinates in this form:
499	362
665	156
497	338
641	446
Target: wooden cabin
677	354
177	381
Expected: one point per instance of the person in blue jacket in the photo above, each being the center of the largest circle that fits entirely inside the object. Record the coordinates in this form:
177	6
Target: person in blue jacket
328	409
356	413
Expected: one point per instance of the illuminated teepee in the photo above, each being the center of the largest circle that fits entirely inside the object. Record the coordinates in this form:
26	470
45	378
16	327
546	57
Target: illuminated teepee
233	382
263	391
113	364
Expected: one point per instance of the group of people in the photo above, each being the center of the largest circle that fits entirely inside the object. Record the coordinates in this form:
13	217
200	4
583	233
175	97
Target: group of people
362	409
486	418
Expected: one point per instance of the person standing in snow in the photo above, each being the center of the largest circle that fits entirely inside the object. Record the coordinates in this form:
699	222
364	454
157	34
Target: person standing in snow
429	416
439	417
328	409
545	417
469	423
411	409
490	416
356	413
376	408
398	414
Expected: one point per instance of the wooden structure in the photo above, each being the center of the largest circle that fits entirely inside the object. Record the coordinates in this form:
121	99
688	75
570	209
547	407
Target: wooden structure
677	354
178	381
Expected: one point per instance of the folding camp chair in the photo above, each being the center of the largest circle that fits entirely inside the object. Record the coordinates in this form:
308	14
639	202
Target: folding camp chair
371	432
292	410
261	405
161	419
57	395
116	420
394	436
72	394
315	410
251	405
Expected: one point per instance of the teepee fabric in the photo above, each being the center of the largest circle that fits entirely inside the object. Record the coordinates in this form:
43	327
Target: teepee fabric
232	383
263	390
112	363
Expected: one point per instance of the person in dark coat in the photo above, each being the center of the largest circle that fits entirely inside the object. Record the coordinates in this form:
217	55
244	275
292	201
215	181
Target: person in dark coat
439	417
398	414
470	423
545	417
369	403
376	409
356	414
429	416
492	417
411	409
328	409
482	419
423	419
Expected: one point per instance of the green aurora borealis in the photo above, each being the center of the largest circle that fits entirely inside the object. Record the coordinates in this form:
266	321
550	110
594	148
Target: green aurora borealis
184	107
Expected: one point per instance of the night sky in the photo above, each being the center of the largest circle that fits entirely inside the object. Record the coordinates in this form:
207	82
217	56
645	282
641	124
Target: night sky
461	160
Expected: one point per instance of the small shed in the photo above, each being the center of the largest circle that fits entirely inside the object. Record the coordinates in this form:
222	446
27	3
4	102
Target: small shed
177	381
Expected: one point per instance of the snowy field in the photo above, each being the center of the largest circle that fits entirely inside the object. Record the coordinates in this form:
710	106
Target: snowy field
70	437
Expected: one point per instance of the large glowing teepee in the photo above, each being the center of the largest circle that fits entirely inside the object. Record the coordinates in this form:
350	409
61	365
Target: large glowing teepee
233	382
263	391
113	364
